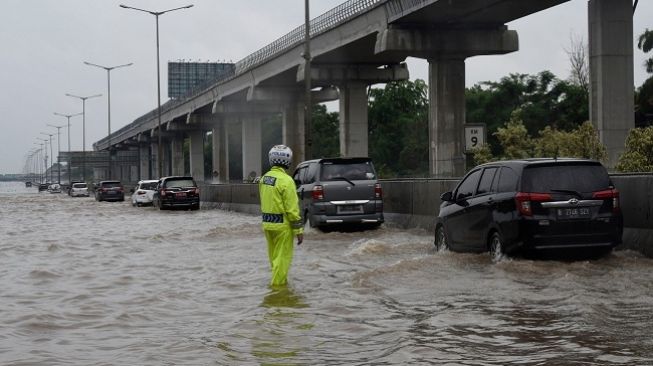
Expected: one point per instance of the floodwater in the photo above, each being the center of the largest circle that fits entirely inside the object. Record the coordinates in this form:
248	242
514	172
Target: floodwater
98	283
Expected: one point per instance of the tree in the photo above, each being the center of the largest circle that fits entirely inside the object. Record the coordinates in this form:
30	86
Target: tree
543	100
645	44
326	136
398	128
577	54
516	143
638	156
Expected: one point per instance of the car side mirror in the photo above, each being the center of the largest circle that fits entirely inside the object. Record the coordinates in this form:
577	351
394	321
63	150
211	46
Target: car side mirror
446	196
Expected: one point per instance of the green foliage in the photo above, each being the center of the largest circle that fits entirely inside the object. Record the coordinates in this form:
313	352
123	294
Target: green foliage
517	143
514	139
326	137
398	128
542	99
638	156
645	44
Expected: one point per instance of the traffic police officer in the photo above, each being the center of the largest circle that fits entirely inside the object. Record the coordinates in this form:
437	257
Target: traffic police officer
280	209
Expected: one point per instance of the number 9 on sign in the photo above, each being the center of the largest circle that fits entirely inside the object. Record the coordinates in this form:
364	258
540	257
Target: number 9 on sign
474	136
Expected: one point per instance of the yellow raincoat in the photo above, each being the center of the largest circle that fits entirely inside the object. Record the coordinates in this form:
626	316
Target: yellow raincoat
281	220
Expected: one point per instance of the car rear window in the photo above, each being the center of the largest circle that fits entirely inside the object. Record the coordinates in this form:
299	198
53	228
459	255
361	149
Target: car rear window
352	171
111	184
149	186
179	183
571	177
79	185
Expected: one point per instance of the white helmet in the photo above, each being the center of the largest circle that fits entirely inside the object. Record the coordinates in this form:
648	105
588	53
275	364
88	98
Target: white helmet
280	155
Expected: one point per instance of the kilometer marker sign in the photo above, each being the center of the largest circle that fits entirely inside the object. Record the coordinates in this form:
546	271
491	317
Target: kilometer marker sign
474	136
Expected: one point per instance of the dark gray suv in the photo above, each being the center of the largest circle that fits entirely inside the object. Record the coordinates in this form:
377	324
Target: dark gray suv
339	191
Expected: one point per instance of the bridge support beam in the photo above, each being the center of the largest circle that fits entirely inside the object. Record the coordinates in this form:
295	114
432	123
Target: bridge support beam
446	117
177	147
251	143
196	151
611	72
353	120
293	130
144	162
154	161
220	169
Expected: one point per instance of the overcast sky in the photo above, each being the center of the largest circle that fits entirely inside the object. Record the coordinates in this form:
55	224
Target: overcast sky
44	44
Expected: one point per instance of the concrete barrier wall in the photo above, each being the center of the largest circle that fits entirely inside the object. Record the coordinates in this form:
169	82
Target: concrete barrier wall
415	203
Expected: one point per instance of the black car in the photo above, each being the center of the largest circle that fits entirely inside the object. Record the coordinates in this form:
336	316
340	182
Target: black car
532	205
339	191
177	192
109	190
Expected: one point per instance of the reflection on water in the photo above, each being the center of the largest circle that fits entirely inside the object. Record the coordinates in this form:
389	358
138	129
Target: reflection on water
85	282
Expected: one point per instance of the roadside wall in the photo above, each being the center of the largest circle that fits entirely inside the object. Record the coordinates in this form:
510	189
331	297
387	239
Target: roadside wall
414	203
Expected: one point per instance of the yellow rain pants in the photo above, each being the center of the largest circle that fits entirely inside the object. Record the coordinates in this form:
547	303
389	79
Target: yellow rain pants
280	252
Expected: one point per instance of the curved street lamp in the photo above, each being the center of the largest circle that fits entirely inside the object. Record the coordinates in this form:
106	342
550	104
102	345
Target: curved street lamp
58	150
108	104
83	129
156	14
68	116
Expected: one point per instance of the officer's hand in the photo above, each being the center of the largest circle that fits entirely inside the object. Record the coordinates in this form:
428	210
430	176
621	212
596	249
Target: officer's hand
300	239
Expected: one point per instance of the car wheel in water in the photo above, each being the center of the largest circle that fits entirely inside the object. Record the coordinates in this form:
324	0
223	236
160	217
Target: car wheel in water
497	249
311	221
441	244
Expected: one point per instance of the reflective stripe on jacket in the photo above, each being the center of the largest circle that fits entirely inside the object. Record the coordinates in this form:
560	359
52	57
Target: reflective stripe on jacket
279	203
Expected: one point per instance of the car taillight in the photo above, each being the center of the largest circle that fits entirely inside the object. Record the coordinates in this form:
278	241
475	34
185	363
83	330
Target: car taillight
162	192
378	191
524	201
140	193
196	191
607	194
317	193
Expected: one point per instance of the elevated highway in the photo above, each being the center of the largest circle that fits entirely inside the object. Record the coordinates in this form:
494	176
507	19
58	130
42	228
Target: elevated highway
364	42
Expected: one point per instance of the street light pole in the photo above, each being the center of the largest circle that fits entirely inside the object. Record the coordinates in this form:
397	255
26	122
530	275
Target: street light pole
156	14
70	158
84	129
45	157
108	105
58	151
51	155
308	126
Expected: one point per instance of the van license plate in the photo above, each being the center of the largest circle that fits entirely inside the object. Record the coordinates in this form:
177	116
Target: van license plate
350	209
574	213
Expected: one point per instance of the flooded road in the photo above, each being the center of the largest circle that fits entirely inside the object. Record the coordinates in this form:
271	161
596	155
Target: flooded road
98	283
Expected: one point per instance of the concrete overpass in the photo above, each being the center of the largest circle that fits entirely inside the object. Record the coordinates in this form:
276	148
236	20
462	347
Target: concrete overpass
363	42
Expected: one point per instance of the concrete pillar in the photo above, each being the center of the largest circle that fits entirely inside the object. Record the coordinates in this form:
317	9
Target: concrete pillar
220	168
197	154
251	148
154	161
611	72
446	117
293	130
177	147
353	119
144	162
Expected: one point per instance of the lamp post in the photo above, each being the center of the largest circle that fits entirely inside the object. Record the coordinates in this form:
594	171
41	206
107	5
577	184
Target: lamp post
108	104
58	151
38	162
45	157
70	158
156	14
308	126
84	129
51	155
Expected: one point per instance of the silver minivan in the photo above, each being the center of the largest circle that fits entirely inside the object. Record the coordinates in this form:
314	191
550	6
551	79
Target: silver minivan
339	191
